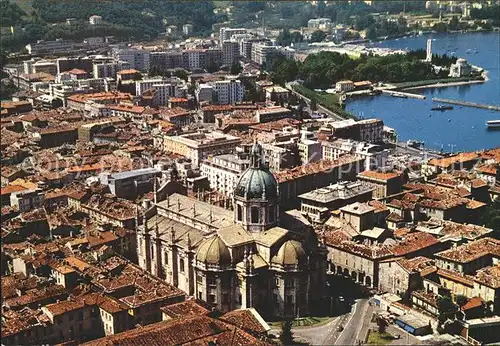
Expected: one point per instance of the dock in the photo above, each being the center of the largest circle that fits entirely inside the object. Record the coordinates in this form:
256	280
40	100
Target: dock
467	104
403	94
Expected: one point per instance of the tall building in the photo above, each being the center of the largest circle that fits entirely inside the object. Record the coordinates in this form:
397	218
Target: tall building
230	52
255	257
109	69
137	58
228	91
164	89
223	171
261	51
225	34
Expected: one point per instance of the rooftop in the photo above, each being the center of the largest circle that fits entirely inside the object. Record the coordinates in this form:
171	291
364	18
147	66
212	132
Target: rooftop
472	251
342	190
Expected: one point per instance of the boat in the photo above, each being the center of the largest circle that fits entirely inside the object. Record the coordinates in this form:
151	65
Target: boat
415	143
400	96
493	123
441	108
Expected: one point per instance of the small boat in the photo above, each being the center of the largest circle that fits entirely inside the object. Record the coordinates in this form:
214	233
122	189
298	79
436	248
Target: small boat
415	143
441	108
493	123
449	120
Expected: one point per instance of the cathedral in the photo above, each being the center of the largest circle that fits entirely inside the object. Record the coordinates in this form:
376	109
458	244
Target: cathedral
255	256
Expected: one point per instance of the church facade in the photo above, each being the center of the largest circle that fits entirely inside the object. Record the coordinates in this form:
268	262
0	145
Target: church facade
255	256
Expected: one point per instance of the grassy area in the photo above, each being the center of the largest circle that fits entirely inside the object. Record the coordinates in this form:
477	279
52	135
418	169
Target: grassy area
432	81
302	322
329	101
375	338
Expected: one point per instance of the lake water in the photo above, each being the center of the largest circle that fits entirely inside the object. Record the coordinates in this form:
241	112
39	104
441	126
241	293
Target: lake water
462	128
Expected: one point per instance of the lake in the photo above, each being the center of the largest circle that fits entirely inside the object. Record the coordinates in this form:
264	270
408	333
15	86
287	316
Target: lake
460	129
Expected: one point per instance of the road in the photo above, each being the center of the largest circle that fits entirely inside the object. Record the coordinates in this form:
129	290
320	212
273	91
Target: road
354	323
320	108
357	321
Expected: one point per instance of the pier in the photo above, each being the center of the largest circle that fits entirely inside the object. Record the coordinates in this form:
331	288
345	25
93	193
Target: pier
402	94
467	104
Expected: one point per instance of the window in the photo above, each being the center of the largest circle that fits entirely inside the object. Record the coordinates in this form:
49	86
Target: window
181	265
277	282
152	252
199	278
166	257
211	281
225	298
200	296
289	283
271	213
288	299
254	211
239	298
239	213
211	298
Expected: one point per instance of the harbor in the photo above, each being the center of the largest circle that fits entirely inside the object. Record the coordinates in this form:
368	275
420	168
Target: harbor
463	128
466	104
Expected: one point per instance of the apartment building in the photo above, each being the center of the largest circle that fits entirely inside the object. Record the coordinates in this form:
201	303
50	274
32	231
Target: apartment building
137	58
228	91
223	171
199	146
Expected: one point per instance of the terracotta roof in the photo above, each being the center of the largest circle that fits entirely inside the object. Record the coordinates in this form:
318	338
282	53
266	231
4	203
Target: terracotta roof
130	71
413	242
247	319
489	276
192	330
77	71
11	189
472	251
187	308
473	303
448	161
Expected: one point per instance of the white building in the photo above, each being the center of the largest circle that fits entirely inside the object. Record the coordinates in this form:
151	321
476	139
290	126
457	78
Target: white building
223	171
109	69
324	24
373	154
225	34
187	29
260	52
165	89
137	58
344	86
27	200
228	91
95	20
460	69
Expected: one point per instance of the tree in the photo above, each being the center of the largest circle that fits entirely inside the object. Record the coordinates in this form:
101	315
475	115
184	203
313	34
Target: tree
461	300
491	217
286	336
236	68
446	308
318	36
382	325
292	100
313	105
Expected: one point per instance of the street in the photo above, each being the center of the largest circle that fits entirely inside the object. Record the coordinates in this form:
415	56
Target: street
354	323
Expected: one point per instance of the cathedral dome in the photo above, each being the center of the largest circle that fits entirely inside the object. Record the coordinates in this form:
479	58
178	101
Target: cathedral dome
213	251
257	181
290	253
